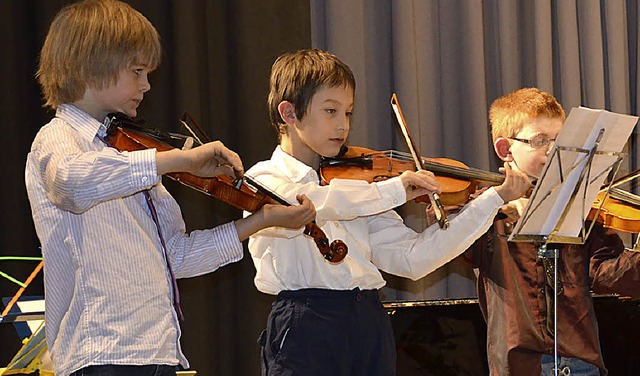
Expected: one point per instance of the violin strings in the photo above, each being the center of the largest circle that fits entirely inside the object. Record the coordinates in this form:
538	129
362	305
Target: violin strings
622	195
444	168
266	191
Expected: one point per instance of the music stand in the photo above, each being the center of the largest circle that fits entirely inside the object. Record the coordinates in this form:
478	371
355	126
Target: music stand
28	358
587	149
26	314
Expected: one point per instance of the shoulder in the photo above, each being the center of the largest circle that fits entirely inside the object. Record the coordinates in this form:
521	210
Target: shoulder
272	166
267	167
55	131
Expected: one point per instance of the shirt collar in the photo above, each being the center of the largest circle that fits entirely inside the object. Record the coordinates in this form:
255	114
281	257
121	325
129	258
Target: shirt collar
87	126
292	167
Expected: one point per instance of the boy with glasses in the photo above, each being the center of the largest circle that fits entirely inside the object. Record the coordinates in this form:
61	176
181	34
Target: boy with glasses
515	295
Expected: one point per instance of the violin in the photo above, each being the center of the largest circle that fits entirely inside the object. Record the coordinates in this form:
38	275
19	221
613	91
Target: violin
458	181
127	134
620	210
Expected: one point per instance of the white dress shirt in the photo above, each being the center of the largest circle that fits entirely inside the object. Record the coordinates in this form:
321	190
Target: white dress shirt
360	214
108	293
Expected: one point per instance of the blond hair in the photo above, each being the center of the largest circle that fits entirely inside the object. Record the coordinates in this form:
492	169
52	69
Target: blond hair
509	113
89	43
297	76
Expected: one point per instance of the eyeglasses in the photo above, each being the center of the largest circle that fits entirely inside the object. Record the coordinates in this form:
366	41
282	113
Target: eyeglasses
538	141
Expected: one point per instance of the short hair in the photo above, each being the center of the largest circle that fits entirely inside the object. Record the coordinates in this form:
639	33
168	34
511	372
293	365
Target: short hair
89	43
509	113
297	76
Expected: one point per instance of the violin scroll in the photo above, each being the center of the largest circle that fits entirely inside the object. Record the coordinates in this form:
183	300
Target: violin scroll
334	252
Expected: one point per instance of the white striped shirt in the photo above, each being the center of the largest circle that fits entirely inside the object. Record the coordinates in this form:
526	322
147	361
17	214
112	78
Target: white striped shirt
107	289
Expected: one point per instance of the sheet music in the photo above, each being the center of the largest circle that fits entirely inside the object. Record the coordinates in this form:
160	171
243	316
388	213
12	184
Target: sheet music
563	170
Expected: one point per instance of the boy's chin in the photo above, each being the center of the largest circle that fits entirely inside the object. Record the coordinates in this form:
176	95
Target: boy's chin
129	113
333	153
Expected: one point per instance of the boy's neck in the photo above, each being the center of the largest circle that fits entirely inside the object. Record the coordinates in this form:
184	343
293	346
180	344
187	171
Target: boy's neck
88	105
300	152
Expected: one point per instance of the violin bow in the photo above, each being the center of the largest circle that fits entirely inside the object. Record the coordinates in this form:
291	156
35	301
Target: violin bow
441	216
188	119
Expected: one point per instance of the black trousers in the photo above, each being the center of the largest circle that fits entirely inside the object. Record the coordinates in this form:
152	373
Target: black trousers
328	332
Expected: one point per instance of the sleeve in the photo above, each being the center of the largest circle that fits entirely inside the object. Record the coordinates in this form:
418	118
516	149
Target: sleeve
204	251
341	200
613	270
399	250
200	251
474	255
76	179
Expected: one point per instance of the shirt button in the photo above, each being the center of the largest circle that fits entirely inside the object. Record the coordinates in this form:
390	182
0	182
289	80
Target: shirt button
395	201
358	297
144	179
541	291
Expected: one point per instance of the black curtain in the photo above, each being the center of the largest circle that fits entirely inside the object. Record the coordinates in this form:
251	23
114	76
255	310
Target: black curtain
217	59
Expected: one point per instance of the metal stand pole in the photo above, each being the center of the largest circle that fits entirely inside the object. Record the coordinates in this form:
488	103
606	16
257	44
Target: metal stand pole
546	254
555	311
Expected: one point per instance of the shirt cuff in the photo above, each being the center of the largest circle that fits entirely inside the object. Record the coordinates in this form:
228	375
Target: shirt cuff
393	188
144	173
231	249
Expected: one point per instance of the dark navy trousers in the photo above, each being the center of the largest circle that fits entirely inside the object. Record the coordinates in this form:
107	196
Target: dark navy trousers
119	370
328	332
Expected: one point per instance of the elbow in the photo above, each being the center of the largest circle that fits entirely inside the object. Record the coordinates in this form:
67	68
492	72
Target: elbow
69	201
71	205
415	273
416	276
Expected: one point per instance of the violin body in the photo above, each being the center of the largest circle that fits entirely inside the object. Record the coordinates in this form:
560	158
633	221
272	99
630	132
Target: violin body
221	186
457	180
617	212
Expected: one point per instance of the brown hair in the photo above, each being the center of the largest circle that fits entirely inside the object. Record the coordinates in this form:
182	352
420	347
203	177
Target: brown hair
509	113
89	43
297	76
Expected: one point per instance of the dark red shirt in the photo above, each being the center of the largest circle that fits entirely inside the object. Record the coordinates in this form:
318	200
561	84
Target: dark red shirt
516	299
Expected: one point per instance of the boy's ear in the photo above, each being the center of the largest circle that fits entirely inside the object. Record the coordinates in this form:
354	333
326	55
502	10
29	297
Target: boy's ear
502	147
287	112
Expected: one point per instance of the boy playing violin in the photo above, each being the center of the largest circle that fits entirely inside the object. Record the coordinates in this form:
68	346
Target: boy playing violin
328	318
515	295
112	236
